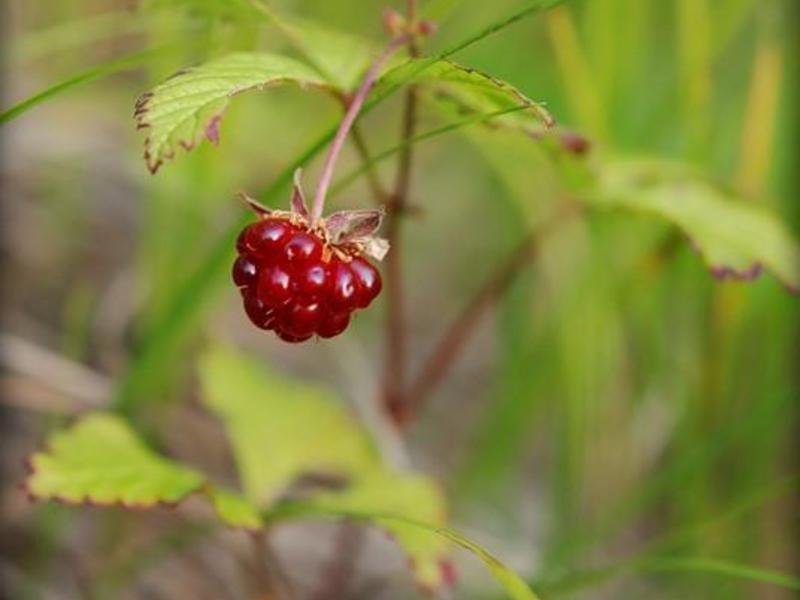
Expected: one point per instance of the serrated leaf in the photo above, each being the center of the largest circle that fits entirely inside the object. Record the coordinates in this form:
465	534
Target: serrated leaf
340	56
279	428
472	91
410	496
188	107
100	460
736	238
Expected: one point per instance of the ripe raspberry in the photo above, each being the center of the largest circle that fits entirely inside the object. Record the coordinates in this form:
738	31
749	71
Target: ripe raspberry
298	285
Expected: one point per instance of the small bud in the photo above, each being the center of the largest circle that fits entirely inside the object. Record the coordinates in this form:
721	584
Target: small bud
427	28
574	143
394	23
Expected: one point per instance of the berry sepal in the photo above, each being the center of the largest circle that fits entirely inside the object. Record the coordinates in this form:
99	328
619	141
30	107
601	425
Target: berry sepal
346	233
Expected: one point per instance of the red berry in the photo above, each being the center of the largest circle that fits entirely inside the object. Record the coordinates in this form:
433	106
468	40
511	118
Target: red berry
292	339
259	313
287	287
301	317
369	281
343	286
312	280
274	285
334	324
302	248
245	271
264	237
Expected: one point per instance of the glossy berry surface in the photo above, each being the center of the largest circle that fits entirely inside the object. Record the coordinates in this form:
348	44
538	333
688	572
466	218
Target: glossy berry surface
293	285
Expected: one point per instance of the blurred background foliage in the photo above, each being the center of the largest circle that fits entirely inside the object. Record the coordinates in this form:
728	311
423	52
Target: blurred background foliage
617	412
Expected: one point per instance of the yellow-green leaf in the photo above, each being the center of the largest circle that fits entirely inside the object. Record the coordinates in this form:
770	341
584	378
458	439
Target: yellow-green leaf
342	57
188	107
472	92
512	583
410	496
280	428
233	509
736	238
100	460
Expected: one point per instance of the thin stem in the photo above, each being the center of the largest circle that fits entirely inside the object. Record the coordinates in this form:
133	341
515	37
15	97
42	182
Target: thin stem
358	140
395	369
271	578
455	338
347	122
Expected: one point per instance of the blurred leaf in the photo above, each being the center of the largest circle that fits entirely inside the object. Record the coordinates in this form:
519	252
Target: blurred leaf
735	238
340	56
189	105
111	67
516	588
471	90
235	510
280	428
100	460
410	496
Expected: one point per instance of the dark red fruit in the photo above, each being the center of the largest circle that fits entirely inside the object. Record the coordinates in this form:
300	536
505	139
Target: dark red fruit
343	286
259	313
334	324
245	271
302	248
313	280
295	286
274	285
264	237
301	316
369	281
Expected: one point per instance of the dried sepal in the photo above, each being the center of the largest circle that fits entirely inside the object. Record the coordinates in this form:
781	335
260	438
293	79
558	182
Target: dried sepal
349	225
256	206
375	247
298	197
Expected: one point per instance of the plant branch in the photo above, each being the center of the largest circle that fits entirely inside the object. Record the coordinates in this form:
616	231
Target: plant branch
347	122
449	347
271	578
395	367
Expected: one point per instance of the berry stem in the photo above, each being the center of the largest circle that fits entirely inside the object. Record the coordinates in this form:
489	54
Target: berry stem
347	122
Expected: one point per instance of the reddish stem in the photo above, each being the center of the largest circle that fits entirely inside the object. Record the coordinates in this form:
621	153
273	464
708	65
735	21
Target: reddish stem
347	123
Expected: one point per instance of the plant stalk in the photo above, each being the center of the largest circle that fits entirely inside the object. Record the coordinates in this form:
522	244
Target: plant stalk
395	368
347	122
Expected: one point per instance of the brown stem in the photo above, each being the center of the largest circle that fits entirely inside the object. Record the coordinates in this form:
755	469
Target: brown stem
395	367
272	583
338	574
446	352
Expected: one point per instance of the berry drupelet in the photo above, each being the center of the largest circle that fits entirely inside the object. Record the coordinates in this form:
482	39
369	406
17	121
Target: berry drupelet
297	283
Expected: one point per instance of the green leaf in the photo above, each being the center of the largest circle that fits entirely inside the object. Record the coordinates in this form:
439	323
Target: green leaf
736	238
235	510
472	91
408	495
514	586
100	460
341	57
280	428
189	105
